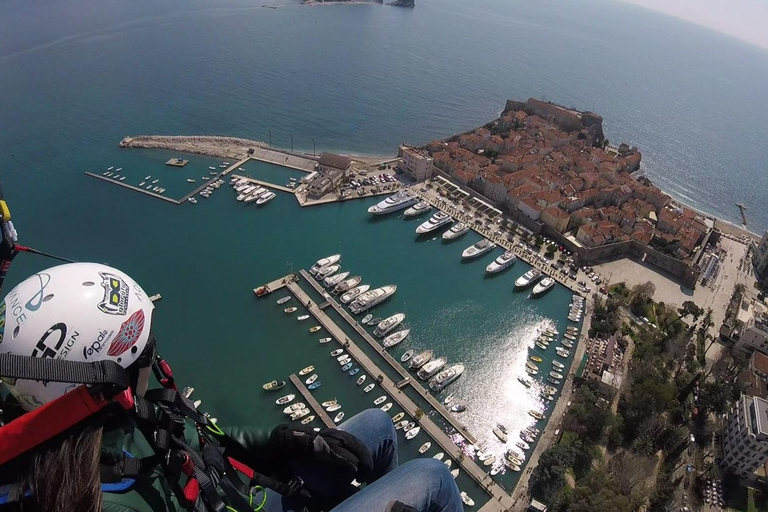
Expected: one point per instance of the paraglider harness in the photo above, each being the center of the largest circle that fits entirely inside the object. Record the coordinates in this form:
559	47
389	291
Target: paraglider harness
211	479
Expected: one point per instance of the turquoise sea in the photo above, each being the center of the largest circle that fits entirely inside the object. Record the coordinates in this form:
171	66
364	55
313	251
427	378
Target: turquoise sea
78	75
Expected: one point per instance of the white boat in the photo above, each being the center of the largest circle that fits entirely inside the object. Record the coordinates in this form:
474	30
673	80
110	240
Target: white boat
371	298
361	380
380	400
401	424
502	262
312	379
225	163
285	399
147	177
255	195
299	414
436	221
447	400
246	192
523	445
466	499
335	279
543	286
155	181
459	407
324	262
347	284
142	183
354	292
456	231
283	300
110	168
393	203
118	169
455	473
386	406
528	278
417	209
325	340
337	352
525	381
369	387
308	420
367	318
423	448
555	375
448	463
431	368
122	178
301	318
421	359
307	370
395	338
558	364
500	434
266	198
478	249
333	408
338	417
388	324
412	433
294	407
445	377
438	456
327	271
192	200
405	357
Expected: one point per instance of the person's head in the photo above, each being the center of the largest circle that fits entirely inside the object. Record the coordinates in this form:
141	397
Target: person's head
74	312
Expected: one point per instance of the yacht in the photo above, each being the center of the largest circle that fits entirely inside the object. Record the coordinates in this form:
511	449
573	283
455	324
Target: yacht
528	278
266	198
246	192
501	434
421	359
328	271
480	248
465	499
388	324
395	338
393	203
405	357
431	368
445	377
417	209
502	262
335	279
255	195
555	375
543	286
371	298
354	292
461	406
456	231
347	284
324	262
437	220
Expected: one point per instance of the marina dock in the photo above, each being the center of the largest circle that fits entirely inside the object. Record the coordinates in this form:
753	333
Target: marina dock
500	500
177	162
132	187
743	212
268	185
206	183
275	285
313	404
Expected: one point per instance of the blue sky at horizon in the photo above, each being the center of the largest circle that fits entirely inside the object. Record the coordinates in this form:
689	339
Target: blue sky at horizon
743	19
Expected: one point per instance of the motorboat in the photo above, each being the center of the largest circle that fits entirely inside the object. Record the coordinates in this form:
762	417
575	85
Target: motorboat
344	360
325	340
525	381
354	292
142	183
448	463
397	417
146	178
465	499
307	370
523	445
541	345
308	420
266	198
423	448
295	407
436	221
401	424
375	321
395	338
562	352
388	324
347	284
335	279
455	473
380	400
353	371
569	336
567	344
291	309
311	379
421	359
333	408
417	209
155	181
405	357
338	417
543	286
409	426
490	460
478	249
438	456
299	414
500	434
386	406
502	262
273	385
337	352
555	375
255	195
412	433
346	367
301	318
212	168
456	231
328	271
192	200
447	400
371	298
513	467
445	377
432	367
189	180
536	359
461	406
360	380
536	414
531	365
122	178
324	262
553	380
329	403
393	203
246	192
369	387
283	300
110	168
558	364
528	278
527	437
532	371
367	318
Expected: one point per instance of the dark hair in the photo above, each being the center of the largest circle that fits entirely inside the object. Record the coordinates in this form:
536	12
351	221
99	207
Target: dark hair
64	474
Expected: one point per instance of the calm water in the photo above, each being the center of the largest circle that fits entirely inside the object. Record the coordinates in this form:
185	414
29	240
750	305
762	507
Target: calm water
76	76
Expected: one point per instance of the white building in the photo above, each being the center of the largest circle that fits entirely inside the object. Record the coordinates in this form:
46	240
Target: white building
760	256
745	441
754	333
414	163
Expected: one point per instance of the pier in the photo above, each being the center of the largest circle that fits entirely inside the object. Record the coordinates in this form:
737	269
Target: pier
268	185
275	285
499	499
313	404
743	212
214	178
132	187
177	162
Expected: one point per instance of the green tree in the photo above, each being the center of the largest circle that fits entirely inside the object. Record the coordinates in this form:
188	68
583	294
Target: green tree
549	475
598	493
550	252
690	308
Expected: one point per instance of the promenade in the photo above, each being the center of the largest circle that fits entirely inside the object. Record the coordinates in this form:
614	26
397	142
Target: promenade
499	499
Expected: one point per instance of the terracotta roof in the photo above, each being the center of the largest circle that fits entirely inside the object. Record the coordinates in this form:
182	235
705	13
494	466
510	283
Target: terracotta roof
335	161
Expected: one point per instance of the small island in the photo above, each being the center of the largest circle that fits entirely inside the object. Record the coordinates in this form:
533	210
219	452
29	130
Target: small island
403	3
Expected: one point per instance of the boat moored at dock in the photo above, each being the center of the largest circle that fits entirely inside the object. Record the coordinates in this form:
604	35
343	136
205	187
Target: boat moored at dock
502	262
528	278
543	286
456	231
388	324
354	292
371	298
478	249
436	221
445	377
324	262
431	368
417	209
393	203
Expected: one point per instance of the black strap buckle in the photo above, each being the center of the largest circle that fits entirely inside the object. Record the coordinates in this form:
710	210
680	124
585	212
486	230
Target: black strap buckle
295	485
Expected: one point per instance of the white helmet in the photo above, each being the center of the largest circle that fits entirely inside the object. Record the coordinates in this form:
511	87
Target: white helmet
75	312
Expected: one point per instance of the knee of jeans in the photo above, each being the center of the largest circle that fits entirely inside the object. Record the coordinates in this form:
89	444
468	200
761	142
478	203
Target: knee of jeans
431	470
379	418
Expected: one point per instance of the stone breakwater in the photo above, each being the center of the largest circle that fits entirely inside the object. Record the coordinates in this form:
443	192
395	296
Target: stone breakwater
220	147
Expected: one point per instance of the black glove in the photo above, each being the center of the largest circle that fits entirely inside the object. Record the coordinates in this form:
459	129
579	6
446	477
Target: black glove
291	442
344	450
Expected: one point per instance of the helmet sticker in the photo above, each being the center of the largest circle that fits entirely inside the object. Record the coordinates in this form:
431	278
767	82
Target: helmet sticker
128	334
115	301
37	299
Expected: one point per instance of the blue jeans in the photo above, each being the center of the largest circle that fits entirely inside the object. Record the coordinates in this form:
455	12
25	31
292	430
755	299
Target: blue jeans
425	484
